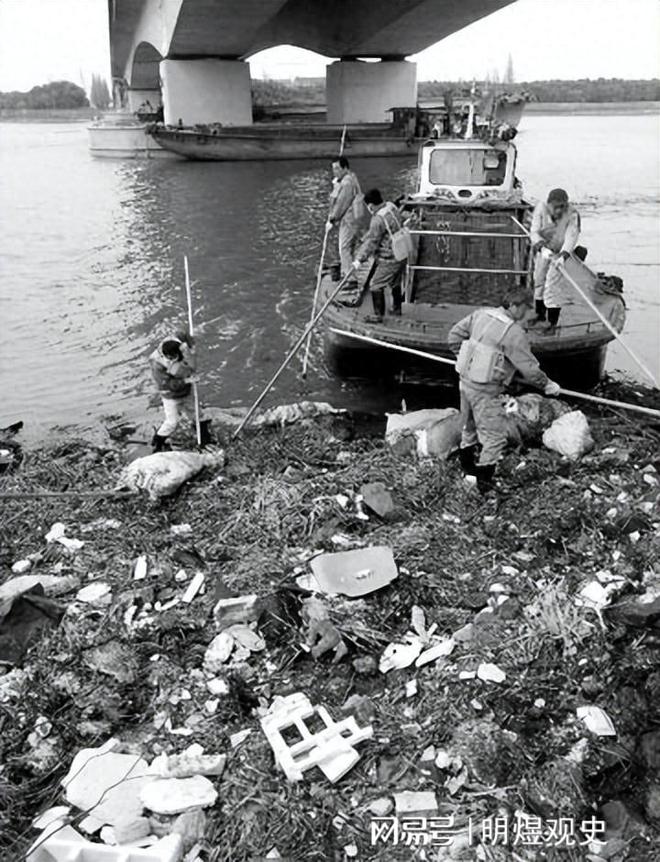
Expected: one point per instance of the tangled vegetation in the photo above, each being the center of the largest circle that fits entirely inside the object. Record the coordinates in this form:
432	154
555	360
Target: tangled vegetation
510	745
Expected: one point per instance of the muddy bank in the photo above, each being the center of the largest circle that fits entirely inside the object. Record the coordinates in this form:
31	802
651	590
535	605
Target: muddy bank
490	728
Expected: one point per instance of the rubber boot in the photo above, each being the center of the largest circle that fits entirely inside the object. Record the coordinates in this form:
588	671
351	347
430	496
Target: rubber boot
485	474
466	458
397	299
378	301
539	308
160	443
553	317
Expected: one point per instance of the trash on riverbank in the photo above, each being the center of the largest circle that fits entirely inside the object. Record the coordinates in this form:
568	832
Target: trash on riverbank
351	573
569	435
428	433
163	473
330	749
475	586
24	617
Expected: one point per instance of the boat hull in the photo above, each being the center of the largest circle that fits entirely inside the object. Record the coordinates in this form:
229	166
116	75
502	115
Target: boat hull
581	367
574	354
124	141
269	143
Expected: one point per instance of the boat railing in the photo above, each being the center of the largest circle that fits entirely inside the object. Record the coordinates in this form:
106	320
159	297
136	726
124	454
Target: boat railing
416	266
487	234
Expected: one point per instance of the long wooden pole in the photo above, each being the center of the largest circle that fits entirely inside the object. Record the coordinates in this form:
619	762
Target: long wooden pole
198	425
343	141
294	350
571	393
560	266
605	321
319	277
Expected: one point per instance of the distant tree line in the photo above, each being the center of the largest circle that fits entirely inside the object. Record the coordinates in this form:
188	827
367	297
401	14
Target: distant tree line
583	90
269	92
56	95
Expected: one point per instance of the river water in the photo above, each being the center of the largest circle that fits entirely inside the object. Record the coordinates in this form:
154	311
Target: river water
91	261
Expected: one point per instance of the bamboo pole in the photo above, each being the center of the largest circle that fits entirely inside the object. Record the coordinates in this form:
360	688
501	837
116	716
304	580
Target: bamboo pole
319	277
343	141
198	425
571	393
294	350
608	325
561	267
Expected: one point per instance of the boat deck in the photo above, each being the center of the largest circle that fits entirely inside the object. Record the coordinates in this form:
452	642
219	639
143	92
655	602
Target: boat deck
426	326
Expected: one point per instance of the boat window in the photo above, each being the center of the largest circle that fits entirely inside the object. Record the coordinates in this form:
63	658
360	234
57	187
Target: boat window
467	167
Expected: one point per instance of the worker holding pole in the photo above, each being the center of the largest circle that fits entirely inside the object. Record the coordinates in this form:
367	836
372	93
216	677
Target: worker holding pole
554	234
173	364
491	348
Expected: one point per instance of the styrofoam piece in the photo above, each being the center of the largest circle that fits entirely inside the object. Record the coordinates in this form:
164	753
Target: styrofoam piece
96	593
67	845
107	785
331	749
193	588
439	650
488	672
176	795
596	720
400	655
140	568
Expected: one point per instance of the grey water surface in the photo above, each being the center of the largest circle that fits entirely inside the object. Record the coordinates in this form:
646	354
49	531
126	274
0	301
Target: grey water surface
91	261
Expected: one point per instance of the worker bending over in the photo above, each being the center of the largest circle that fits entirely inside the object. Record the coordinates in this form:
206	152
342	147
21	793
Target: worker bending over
172	365
344	201
555	233
385	221
492	348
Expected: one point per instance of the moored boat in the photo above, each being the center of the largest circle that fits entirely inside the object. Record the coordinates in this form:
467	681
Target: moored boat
309	138
122	135
469	222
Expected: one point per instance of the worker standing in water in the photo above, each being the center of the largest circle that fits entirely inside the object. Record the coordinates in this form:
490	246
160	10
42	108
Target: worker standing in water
172	364
555	233
492	348
344	199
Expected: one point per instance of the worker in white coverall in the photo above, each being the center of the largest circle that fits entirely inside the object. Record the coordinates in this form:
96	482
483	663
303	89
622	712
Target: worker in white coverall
344	200
172	365
555	233
492	348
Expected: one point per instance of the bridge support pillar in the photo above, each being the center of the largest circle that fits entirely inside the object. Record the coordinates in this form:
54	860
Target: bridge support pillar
206	90
359	92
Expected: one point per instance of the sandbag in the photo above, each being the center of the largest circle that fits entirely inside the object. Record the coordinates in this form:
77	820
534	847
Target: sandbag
163	473
429	433
569	435
529	415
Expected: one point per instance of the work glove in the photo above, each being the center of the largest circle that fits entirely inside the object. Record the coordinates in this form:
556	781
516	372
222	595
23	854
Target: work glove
357	264
538	245
552	389
329	225
564	255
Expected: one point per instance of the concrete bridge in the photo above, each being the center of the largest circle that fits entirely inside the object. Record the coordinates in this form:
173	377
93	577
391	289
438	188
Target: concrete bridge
193	54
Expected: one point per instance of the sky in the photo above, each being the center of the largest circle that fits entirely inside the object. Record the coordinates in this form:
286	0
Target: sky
48	40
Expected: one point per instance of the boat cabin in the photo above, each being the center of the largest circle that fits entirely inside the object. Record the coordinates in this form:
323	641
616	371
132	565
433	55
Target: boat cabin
469	173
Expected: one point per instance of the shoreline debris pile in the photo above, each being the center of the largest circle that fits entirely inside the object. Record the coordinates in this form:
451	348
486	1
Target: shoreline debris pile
331	609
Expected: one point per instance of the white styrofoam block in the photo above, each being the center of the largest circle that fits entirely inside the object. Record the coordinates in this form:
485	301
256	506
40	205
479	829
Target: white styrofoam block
68	845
